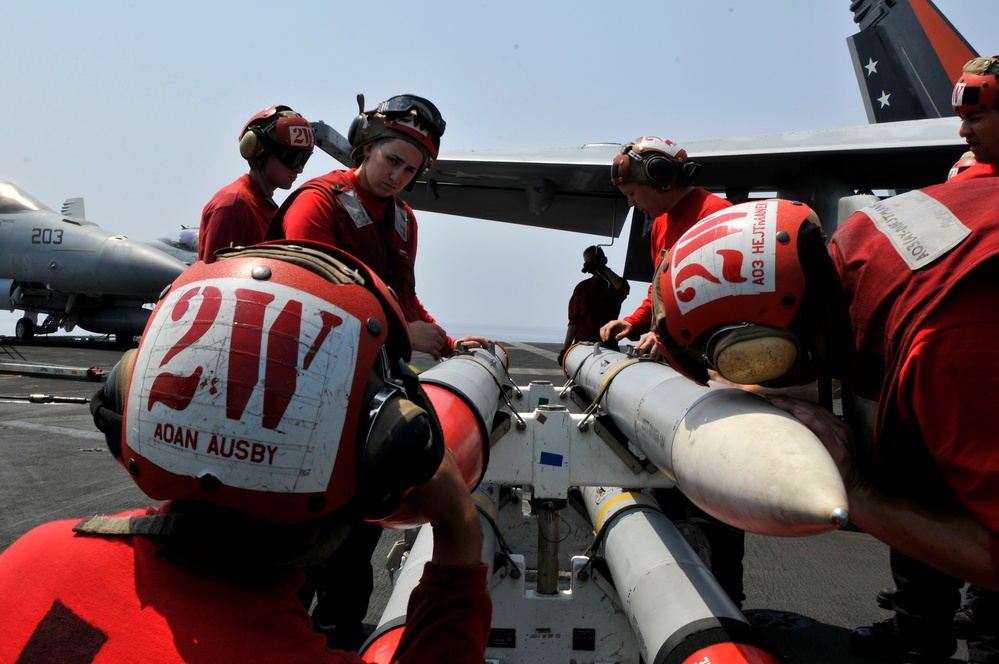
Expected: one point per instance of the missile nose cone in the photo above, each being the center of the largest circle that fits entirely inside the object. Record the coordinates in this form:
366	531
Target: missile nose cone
840	517
134	269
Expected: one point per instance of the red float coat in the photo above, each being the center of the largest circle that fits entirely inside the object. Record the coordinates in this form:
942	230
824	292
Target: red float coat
932	328
666	230
238	215
381	233
66	597
974	171
594	302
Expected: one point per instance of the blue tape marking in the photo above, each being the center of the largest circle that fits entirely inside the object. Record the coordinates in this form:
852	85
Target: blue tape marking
549	459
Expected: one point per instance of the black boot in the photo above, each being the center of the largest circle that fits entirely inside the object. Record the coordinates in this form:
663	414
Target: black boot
978	622
905	637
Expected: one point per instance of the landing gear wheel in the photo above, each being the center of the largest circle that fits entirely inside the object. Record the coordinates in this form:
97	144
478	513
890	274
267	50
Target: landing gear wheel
24	330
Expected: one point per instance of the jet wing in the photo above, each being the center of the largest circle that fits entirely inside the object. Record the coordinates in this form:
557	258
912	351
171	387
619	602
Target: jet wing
569	189
566	189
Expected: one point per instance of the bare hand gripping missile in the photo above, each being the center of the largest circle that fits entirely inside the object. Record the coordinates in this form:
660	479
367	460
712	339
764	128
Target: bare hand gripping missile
637	589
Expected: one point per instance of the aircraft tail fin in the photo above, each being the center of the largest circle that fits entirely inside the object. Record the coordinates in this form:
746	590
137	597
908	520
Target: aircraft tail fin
73	207
907	56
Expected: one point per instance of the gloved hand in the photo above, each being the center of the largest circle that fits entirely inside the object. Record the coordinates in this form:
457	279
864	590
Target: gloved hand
561	355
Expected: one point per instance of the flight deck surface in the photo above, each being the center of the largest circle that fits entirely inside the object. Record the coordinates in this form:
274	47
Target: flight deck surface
806	594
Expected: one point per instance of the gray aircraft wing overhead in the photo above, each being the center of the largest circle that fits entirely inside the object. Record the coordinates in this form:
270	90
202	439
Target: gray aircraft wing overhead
74	272
569	189
906	57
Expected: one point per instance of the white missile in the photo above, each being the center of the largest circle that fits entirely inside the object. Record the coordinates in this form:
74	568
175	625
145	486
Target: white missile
381	645
677	609
733	454
466	391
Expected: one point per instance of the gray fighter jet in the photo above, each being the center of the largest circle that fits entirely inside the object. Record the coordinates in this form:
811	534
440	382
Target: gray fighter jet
73	272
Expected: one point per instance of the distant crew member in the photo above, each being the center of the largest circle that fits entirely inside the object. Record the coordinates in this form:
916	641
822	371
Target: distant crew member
594	301
277	142
254	491
910	330
357	211
658	179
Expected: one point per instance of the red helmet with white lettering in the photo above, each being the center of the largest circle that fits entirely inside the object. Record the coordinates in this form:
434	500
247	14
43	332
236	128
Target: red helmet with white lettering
653	161
274	382
740	293
277	131
978	87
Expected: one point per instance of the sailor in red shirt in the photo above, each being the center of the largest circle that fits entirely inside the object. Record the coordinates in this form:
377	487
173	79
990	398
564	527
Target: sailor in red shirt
903	308
594	301
923	591
357	210
262	474
277	142
658	179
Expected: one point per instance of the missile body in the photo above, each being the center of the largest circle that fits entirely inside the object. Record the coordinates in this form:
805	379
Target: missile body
737	457
384	640
465	392
675	606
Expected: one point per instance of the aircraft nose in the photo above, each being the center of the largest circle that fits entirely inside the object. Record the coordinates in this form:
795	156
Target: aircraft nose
134	269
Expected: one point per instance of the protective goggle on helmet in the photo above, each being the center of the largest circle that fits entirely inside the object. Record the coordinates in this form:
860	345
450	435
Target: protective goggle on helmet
274	382
409	117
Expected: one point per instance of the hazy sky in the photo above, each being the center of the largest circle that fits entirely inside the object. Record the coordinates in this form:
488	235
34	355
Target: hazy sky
136	106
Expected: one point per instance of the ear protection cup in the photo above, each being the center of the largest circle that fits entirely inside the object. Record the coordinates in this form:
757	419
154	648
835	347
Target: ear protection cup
250	147
599	257
356	136
689	171
661	170
355	126
753	354
107	406
403	445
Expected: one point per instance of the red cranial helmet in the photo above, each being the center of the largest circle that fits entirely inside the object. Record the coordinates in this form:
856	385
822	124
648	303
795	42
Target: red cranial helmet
280	131
408	117
274	382
966	161
978	87
731	293
653	161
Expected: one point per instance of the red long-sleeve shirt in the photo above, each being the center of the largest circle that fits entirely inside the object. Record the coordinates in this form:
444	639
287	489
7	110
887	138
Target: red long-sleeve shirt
666	230
66	597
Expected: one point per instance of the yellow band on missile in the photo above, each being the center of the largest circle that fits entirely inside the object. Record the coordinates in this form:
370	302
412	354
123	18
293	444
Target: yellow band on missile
636	497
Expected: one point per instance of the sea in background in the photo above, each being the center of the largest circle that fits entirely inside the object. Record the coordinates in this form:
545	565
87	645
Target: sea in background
495	331
506	332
